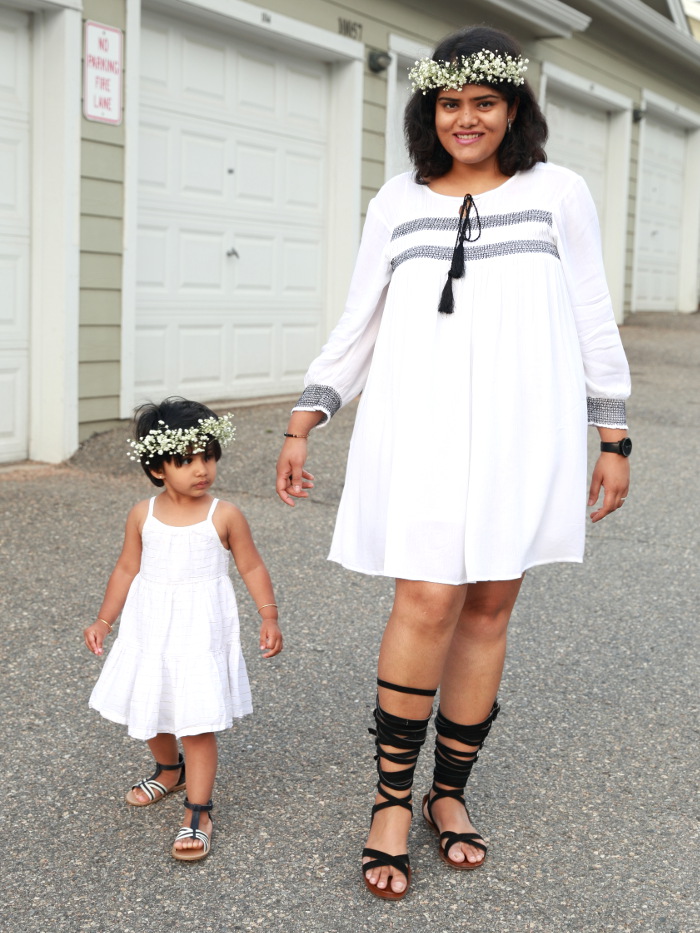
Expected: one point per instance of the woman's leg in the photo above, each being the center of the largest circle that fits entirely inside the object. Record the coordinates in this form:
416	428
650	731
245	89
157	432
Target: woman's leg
416	640
164	749
201	755
468	689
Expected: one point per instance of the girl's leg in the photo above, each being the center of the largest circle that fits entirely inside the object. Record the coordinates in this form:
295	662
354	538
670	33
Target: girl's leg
468	691
416	640
164	749
201	754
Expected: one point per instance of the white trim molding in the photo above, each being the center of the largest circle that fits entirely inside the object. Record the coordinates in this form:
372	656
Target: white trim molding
549	18
619	110
668	111
55	250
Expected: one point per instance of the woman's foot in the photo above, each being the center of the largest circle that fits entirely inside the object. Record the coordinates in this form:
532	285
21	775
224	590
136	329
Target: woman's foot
388	833
450	814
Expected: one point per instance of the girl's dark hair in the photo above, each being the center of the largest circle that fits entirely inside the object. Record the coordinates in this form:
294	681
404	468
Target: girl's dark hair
522	146
175	412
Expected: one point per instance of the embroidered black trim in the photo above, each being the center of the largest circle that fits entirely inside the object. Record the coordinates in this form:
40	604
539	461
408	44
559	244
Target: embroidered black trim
449	224
490	251
319	398
607	412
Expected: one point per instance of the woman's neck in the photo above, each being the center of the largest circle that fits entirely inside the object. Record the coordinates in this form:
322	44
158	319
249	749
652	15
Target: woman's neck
471	179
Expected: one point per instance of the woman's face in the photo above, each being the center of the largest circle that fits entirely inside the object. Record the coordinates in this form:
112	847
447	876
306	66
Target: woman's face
471	123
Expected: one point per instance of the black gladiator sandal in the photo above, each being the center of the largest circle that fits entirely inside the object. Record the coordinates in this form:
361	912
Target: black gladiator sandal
407	735
452	767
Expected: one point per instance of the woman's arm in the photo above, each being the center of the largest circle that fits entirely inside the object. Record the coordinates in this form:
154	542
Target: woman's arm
125	570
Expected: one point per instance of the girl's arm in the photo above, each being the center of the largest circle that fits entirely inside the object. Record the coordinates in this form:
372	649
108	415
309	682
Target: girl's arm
126	568
256	578
339	373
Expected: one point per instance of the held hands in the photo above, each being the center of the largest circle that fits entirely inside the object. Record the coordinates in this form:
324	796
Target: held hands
270	638
612	472
95	634
292	478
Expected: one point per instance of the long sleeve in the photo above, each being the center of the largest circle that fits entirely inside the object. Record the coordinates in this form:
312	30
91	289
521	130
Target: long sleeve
339	373
604	361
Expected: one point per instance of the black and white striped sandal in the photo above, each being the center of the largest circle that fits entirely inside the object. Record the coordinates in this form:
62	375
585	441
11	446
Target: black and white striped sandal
194	832
153	789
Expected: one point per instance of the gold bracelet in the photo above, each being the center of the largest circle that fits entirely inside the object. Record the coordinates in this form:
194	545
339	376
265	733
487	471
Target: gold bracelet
267	605
107	624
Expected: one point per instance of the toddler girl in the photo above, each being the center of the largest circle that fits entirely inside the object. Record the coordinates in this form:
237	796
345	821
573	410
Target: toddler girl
176	670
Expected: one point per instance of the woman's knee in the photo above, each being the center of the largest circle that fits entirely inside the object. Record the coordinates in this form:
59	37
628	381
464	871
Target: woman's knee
431	605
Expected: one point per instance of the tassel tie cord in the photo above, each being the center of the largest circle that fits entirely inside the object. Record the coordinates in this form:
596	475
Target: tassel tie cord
466	229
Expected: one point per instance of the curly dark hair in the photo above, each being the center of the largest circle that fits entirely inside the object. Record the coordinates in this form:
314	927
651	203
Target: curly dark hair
521	148
176	412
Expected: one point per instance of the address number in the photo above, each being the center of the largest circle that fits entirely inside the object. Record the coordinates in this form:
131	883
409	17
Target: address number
347	28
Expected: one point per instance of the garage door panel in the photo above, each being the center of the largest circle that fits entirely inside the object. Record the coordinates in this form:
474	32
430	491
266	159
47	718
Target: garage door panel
14	175
13	404
660	210
153	350
14	63
234	153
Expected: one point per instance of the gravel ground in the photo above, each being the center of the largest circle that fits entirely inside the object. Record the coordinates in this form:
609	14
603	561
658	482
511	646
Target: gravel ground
587	787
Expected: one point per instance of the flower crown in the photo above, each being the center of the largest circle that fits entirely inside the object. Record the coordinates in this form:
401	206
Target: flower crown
482	67
183	441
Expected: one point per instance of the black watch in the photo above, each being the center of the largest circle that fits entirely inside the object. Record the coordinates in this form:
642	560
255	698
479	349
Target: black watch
623	447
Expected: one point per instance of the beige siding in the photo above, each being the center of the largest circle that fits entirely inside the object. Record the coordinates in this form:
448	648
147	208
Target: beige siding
102	210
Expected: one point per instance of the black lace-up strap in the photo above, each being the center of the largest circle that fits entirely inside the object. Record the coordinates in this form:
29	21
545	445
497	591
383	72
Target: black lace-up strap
453	766
468	231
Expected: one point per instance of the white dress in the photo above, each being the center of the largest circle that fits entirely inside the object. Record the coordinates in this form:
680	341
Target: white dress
177	664
468	457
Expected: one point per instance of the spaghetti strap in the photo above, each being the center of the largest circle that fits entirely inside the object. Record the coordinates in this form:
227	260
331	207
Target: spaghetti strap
150	506
211	510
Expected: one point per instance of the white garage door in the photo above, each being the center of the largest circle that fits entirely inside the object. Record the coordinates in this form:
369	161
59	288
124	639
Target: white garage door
578	139
14	233
660	212
231	251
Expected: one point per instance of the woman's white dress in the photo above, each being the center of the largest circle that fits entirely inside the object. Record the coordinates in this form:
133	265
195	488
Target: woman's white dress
177	664
468	457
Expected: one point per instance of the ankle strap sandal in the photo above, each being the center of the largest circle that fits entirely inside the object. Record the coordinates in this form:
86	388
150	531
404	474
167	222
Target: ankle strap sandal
406	737
194	832
153	789
453	767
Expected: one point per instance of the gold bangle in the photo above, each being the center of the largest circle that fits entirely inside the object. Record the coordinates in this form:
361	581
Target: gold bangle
107	624
267	605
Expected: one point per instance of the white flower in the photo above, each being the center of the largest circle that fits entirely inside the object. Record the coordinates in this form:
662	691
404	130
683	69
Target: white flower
482	67
183	441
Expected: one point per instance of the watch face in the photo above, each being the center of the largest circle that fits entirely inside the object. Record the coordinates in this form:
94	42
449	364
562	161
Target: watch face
626	446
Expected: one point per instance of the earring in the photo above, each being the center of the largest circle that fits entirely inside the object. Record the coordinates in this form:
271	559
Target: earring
510	123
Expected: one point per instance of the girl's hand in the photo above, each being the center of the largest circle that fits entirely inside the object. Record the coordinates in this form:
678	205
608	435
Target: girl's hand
612	472
270	638
292	478
94	636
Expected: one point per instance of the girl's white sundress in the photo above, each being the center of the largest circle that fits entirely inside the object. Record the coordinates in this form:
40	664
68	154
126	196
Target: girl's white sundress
468	458
177	664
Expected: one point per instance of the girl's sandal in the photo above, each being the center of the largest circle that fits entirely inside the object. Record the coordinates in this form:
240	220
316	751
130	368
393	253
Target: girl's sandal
153	789
194	832
449	838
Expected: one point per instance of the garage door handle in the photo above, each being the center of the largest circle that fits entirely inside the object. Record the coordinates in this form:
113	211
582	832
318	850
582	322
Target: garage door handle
233	252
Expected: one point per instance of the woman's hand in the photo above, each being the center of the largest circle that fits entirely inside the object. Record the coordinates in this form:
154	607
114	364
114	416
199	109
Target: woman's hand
94	636
612	472
292	478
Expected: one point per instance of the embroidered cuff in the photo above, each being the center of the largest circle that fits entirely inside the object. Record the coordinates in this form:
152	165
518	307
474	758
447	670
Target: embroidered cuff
607	412
319	398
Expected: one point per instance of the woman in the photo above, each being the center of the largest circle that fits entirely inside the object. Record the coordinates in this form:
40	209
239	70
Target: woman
480	332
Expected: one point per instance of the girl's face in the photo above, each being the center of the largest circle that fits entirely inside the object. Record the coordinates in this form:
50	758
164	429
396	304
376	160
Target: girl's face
192	477
471	123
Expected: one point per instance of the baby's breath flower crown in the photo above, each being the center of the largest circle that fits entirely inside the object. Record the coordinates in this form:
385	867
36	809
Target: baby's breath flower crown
482	67
182	441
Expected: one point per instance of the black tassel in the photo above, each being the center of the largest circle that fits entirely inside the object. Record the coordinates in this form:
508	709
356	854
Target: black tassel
464	234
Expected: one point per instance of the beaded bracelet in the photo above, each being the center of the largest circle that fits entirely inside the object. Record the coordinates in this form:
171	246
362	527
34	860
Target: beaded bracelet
300	436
